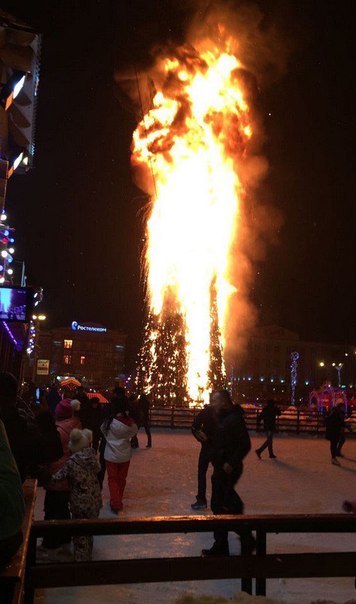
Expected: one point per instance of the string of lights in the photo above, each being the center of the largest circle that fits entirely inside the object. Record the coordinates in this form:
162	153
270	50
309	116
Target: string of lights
34	323
293	374
7	250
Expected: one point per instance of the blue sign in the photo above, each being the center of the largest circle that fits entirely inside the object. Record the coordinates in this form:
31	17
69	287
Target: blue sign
78	327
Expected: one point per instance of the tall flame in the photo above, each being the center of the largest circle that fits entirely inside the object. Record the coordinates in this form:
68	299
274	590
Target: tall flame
190	141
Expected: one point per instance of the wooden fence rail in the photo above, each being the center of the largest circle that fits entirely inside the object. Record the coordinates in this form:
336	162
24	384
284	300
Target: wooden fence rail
260	566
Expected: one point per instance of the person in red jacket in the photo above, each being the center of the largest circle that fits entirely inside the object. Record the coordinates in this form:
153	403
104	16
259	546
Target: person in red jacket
118	430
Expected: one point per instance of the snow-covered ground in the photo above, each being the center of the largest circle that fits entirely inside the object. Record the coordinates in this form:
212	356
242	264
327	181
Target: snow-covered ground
162	481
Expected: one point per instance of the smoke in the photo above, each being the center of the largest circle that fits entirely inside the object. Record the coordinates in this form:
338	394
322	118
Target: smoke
260	43
263	50
257	41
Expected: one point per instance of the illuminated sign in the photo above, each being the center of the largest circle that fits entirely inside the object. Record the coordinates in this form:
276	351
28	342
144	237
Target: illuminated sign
78	327
42	366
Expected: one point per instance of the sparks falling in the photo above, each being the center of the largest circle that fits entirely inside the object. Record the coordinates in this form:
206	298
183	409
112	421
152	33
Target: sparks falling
190	143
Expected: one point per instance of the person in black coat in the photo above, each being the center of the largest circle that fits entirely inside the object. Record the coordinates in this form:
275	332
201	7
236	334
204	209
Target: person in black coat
33	442
230	445
139	410
203	429
53	398
12	507
335	432
268	416
91	418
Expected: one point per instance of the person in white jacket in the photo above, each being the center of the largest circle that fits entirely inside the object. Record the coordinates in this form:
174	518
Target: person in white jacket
118	429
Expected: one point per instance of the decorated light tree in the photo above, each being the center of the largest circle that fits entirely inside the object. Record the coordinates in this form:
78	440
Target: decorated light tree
293	374
162	363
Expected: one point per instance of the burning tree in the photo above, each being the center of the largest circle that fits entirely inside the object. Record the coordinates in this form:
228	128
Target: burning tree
189	147
216	376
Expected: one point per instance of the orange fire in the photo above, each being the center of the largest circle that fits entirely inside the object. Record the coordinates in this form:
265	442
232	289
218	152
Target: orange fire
190	141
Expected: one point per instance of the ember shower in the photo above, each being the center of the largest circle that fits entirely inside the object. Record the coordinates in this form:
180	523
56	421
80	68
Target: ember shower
189	146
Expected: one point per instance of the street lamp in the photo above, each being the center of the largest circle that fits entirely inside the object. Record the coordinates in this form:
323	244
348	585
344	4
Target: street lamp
338	369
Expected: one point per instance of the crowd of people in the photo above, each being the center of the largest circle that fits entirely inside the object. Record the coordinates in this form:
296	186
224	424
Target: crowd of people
69	441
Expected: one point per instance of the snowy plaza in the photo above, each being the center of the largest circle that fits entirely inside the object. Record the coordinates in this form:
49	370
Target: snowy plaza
162	481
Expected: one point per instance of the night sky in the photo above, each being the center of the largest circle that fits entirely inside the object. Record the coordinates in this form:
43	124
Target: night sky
77	213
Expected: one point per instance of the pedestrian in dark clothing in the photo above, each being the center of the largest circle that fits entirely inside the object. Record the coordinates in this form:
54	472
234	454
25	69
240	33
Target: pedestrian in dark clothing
81	396
134	413
53	397
342	437
51	444
139	411
268	416
230	445
12	508
203	429
144	405
23	432
92	418
335	432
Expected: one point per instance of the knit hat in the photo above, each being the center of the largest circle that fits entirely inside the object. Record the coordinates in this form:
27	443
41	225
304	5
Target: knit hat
80	439
66	408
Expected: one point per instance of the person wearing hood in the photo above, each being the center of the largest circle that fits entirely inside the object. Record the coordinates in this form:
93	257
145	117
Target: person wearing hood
118	429
56	503
81	471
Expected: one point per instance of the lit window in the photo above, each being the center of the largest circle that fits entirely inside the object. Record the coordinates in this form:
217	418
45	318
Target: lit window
67	359
68	343
82	360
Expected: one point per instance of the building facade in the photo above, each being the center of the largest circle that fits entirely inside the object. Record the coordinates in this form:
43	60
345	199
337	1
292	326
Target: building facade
89	351
265	367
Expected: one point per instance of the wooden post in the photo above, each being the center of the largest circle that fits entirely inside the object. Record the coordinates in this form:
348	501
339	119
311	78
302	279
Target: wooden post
261	550
30	562
246	582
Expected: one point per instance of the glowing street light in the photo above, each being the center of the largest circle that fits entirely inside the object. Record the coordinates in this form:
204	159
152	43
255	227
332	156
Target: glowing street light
321	364
39	317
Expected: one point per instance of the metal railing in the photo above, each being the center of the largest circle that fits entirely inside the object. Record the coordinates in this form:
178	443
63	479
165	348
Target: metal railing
295	421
